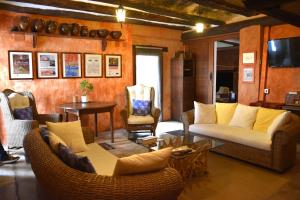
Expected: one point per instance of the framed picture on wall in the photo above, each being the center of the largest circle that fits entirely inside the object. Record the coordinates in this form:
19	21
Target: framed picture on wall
71	63
249	57
47	65
113	66
92	65
248	74
20	65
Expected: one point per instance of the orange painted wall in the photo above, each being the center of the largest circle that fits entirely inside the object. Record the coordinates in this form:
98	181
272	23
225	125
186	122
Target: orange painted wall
250	41
279	80
52	92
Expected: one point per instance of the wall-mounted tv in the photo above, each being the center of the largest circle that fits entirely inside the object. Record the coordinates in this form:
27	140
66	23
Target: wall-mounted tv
284	52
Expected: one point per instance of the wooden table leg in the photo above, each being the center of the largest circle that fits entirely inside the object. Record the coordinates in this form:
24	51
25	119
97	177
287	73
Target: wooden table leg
96	124
112	125
66	116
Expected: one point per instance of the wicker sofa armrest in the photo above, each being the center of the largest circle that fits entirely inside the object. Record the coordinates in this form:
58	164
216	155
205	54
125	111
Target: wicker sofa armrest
187	118
55	117
284	145
88	135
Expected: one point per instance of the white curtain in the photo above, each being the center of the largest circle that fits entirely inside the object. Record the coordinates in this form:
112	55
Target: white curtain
148	74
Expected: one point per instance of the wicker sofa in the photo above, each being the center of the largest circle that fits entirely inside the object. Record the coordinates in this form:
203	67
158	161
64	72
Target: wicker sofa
63	182
282	148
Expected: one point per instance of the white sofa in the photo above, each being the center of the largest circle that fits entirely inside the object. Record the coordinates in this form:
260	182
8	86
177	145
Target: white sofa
276	151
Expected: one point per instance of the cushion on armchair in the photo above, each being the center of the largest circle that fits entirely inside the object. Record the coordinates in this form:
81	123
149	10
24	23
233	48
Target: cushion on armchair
18	101
141	107
23	113
140	92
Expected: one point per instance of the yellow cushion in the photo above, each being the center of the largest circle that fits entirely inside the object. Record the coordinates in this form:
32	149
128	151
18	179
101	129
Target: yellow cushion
281	120
103	161
264	118
244	116
54	140
133	119
204	113
70	133
18	101
225	112
142	163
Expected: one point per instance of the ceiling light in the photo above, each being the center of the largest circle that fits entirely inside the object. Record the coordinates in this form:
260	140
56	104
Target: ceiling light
199	27
120	14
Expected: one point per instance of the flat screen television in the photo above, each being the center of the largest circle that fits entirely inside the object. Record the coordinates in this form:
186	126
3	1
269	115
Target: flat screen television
284	52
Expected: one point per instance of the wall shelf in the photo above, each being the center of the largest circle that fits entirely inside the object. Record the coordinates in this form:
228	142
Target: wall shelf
103	41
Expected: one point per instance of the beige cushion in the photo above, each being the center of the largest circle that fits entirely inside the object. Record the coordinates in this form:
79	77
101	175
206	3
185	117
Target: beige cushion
103	161
139	92
264	118
54	140
18	101
238	135
224	112
204	113
70	133
278	122
133	119
142	163
244	116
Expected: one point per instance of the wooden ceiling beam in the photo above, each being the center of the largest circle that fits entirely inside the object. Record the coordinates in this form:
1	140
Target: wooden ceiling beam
105	10
230	28
74	15
222	5
273	9
164	12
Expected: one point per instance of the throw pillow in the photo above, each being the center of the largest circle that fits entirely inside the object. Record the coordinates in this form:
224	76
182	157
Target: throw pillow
23	113
45	134
225	112
278	122
141	107
204	113
54	140
74	161
142	163
264	119
244	116
70	133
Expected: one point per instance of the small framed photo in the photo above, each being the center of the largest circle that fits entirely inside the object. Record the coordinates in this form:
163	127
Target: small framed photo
113	66
47	65
92	65
249	57
20	65
248	74
71	63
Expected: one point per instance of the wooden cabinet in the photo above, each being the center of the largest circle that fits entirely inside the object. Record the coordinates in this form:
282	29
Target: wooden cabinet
182	85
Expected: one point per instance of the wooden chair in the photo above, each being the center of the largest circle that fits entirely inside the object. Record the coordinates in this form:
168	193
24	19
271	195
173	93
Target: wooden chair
17	129
135	123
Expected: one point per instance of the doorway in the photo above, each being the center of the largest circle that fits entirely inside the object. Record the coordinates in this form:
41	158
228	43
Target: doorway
148	70
226	70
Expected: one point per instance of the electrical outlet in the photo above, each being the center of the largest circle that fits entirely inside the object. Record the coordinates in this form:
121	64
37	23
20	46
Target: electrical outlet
266	91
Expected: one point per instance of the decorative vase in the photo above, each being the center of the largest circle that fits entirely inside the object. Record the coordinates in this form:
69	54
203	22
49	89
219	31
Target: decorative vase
84	99
84	31
24	23
38	25
64	29
51	26
115	34
75	30
103	33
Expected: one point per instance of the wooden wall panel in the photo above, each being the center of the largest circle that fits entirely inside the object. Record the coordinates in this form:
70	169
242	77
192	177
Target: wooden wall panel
50	93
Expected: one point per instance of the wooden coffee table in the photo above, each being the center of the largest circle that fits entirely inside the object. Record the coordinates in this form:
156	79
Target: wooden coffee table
193	163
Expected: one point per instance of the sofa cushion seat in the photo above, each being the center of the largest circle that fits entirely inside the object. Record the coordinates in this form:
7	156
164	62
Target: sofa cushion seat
103	161
133	119
239	135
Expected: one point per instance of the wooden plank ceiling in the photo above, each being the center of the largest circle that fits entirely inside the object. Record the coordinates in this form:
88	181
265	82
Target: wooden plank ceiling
180	14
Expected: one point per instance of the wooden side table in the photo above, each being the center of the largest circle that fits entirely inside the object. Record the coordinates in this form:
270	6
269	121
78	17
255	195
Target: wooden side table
79	109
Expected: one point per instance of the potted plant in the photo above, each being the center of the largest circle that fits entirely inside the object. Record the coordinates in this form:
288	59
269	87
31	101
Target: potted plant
85	87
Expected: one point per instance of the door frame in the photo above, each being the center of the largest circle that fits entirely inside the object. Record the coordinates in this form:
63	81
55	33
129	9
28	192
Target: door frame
151	50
